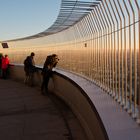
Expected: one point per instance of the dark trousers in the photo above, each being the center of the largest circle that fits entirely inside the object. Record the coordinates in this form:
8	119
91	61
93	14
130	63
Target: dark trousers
29	79
0	72
5	73
45	83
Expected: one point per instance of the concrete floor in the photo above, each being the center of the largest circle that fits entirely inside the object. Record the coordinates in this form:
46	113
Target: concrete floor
25	114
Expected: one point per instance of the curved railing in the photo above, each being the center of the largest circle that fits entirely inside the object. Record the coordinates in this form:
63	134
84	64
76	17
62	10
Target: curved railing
73	95
98	114
103	46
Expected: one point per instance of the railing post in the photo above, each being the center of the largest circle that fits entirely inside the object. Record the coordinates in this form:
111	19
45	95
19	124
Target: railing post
115	52
101	47
111	79
105	48
138	92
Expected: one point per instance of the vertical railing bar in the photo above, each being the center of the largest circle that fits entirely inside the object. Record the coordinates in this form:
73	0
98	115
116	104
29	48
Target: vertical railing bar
99	29
126	69
130	67
122	60
70	49
135	65
108	46
82	46
73	47
89	47
138	93
98	34
78	28
95	59
118	52
75	38
95	55
88	43
111	54
84	41
102	26
115	51
106	88
80	40
107	50
92	45
77	44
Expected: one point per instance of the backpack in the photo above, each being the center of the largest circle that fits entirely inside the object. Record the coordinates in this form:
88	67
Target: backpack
26	62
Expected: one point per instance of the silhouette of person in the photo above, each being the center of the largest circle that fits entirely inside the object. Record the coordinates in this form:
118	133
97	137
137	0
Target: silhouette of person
26	69
46	73
30	69
5	66
50	62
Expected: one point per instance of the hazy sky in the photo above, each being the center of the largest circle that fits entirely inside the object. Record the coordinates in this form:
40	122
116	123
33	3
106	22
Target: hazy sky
20	18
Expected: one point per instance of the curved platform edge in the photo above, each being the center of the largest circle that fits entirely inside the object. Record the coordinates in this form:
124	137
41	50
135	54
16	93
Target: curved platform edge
101	117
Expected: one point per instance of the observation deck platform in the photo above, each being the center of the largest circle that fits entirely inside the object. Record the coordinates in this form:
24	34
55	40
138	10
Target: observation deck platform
25	114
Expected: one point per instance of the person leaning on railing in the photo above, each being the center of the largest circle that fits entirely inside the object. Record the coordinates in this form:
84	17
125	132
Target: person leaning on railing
50	62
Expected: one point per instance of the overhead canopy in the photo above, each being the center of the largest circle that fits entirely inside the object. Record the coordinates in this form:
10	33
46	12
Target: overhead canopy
71	12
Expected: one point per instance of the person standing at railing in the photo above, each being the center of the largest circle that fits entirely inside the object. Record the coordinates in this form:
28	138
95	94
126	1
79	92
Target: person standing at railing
5	66
50	62
30	69
26	69
46	74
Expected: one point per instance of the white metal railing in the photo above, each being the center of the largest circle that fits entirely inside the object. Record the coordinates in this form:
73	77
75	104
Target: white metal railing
104	46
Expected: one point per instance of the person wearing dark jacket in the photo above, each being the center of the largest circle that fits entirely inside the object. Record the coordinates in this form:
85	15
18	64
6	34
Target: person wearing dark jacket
30	69
46	74
50	62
